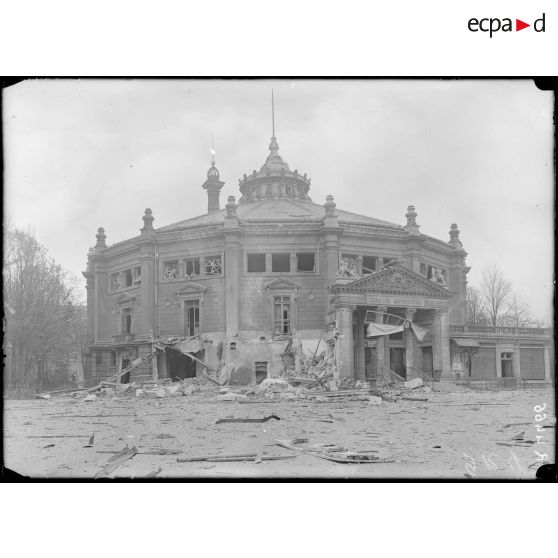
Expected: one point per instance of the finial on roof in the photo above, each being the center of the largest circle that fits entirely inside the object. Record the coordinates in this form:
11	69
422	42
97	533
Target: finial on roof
454	236
212	149
329	206
101	238
411	216
273	146
147	221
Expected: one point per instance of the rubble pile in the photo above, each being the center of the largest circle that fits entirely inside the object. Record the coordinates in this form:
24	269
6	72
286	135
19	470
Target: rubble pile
411	390
151	389
314	372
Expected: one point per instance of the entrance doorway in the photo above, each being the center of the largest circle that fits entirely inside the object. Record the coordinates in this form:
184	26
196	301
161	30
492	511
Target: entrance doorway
507	365
397	361
125	378
261	371
179	365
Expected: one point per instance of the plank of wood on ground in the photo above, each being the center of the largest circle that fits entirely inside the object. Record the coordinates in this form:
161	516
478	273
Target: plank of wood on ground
116	460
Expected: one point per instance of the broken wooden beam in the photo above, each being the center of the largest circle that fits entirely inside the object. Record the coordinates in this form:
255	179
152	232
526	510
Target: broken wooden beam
116	460
208	457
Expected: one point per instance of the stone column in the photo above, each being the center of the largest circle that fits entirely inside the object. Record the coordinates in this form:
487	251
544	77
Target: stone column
344	348
148	286
380	343
360	373
410	345
101	310
232	270
329	251
516	361
440	343
498	362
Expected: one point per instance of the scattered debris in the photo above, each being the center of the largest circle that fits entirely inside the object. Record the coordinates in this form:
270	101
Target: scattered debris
257	459
90	397
49	446
338	454
116	460
409	398
90	443
374	400
413	384
230	397
152	474
212	457
150	451
164	436
60	436
265	419
272	385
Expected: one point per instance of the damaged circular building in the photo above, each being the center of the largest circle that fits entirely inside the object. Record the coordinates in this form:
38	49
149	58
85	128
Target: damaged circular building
274	282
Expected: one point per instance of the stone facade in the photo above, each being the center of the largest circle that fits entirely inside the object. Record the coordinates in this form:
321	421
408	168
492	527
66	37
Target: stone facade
276	269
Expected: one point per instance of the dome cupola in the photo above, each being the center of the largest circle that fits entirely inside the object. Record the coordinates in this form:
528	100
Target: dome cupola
274	180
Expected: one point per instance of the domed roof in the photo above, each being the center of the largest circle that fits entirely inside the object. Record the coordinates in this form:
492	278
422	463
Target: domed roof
213	173
274	161
274	180
281	210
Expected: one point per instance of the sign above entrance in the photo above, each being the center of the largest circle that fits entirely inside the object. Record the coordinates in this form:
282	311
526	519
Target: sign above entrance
380	300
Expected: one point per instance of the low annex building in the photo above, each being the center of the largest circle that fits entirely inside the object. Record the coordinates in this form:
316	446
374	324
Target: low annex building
275	278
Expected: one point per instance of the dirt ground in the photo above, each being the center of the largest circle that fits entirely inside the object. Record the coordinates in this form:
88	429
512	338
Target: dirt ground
452	435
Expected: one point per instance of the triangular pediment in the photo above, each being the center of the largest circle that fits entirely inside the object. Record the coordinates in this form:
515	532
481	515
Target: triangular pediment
395	280
191	288
281	283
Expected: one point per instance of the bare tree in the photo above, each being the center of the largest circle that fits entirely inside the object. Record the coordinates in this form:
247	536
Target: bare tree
519	312
39	308
496	292
476	314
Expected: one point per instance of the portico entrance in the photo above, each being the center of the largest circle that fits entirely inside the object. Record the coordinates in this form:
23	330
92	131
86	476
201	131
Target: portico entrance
390	322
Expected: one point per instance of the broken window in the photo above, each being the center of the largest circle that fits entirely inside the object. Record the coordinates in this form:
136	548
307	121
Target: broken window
369	264
171	270
126	320
256	263
127	278
192	267
192	317
282	315
280	263
305	262
213	265
136	276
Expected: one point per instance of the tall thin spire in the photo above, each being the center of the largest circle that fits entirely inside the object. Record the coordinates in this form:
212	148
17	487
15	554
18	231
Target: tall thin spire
272	115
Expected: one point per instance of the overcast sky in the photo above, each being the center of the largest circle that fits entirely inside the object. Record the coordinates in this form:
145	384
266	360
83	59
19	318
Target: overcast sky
79	154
